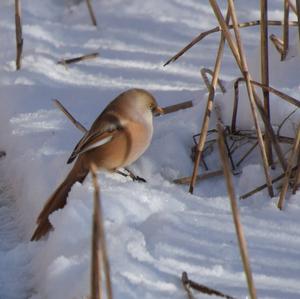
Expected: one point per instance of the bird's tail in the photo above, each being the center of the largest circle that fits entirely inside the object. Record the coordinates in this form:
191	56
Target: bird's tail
59	198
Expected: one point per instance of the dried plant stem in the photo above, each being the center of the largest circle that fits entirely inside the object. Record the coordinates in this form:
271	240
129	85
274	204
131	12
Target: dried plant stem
188	284
284	120
262	187
208	110
297	175
298	13
280	94
234	207
288	172
292	6
204	72
101	232
96	289
78	59
247	154
19	38
217	29
77	124
203	176
91	11
235	104
285	29
277	42
238	53
176	107
235	52
264	56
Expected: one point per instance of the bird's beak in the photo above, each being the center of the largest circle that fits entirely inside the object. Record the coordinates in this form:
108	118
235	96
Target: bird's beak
158	111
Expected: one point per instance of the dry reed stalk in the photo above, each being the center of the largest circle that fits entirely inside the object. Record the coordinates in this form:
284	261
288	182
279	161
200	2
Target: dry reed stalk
96	289
78	59
91	11
208	110
238	53
188	284
202	35
295	150
275	139
247	154
285	29
19	38
280	94
176	107
284	120
204	72
235	104
264	57
77	124
205	175
293	7
264	186
277	42
234	206
101	233
298	13
297	175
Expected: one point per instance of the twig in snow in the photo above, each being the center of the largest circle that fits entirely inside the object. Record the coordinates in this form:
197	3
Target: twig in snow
78	59
262	187
188	284
2	154
203	176
77	124
91	11
19	38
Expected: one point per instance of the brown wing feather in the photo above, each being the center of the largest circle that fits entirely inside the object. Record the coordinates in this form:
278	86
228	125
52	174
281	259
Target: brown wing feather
102	128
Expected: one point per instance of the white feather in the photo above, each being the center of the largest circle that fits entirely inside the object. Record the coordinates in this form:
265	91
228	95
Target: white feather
99	143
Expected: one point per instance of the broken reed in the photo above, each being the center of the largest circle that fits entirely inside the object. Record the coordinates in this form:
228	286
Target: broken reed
208	109
91	12
234	207
78	59
19	38
99	253
189	284
264	69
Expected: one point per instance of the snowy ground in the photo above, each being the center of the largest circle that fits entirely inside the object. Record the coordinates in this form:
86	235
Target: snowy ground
155	230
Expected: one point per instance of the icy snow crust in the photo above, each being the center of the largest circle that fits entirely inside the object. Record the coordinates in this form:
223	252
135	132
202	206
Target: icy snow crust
155	230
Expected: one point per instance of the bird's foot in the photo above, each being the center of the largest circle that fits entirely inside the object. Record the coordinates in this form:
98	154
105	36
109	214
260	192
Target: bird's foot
134	177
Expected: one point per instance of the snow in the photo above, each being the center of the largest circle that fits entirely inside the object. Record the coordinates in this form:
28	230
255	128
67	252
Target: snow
154	230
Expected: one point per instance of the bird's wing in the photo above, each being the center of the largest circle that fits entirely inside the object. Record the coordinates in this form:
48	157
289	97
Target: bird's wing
102	131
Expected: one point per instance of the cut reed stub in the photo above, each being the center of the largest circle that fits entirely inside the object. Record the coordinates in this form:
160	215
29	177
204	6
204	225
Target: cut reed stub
2	154
78	59
190	284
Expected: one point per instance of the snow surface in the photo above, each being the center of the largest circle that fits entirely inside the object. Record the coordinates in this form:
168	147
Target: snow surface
155	230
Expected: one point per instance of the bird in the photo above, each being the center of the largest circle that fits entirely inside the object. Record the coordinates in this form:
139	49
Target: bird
117	138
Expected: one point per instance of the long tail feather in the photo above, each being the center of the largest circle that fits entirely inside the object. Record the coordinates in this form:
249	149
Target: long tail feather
58	199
